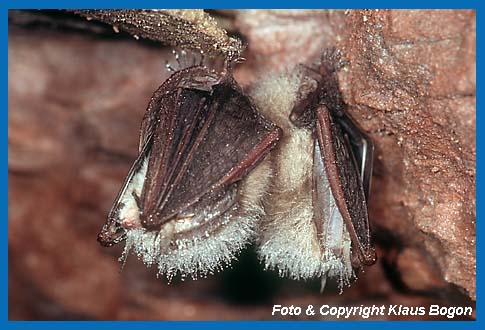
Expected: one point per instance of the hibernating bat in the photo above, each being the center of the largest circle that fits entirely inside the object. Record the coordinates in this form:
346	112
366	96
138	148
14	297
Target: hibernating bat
317	223
192	197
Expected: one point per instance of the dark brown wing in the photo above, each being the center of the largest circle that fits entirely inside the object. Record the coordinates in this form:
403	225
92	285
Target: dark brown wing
196	78
201	142
344	179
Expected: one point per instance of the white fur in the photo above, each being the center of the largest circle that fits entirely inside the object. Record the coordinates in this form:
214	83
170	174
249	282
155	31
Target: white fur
129	213
287	238
207	252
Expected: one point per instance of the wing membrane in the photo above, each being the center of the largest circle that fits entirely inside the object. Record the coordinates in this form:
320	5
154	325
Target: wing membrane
202	141
345	182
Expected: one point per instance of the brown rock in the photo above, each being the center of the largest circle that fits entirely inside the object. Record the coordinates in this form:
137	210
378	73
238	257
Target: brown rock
279	39
418	66
417	272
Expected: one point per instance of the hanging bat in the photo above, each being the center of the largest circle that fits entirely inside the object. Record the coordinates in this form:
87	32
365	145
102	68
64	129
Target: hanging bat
317	224
191	200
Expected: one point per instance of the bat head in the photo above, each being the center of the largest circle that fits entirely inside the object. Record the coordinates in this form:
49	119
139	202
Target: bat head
111	233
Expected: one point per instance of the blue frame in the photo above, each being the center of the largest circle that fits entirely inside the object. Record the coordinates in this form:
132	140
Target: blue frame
5	5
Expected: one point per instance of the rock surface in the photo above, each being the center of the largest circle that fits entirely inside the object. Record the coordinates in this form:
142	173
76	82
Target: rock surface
412	79
75	105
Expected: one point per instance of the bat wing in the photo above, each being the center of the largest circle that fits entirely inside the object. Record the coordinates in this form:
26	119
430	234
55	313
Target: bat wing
200	141
112	232
345	183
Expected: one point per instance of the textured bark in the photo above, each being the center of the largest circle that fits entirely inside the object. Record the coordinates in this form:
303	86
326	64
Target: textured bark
75	105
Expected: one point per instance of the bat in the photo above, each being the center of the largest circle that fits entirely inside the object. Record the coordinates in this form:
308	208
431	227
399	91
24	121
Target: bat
192	198
317	223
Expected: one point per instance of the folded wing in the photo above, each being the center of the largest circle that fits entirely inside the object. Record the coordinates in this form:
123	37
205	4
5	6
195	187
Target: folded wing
200	140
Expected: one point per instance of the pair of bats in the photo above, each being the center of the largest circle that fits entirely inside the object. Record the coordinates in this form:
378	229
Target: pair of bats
213	174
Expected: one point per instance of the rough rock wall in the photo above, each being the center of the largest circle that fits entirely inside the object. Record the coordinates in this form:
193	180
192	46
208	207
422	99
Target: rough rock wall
412	80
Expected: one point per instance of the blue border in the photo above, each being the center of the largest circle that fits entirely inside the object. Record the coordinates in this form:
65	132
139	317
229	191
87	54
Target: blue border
5	5
240	4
